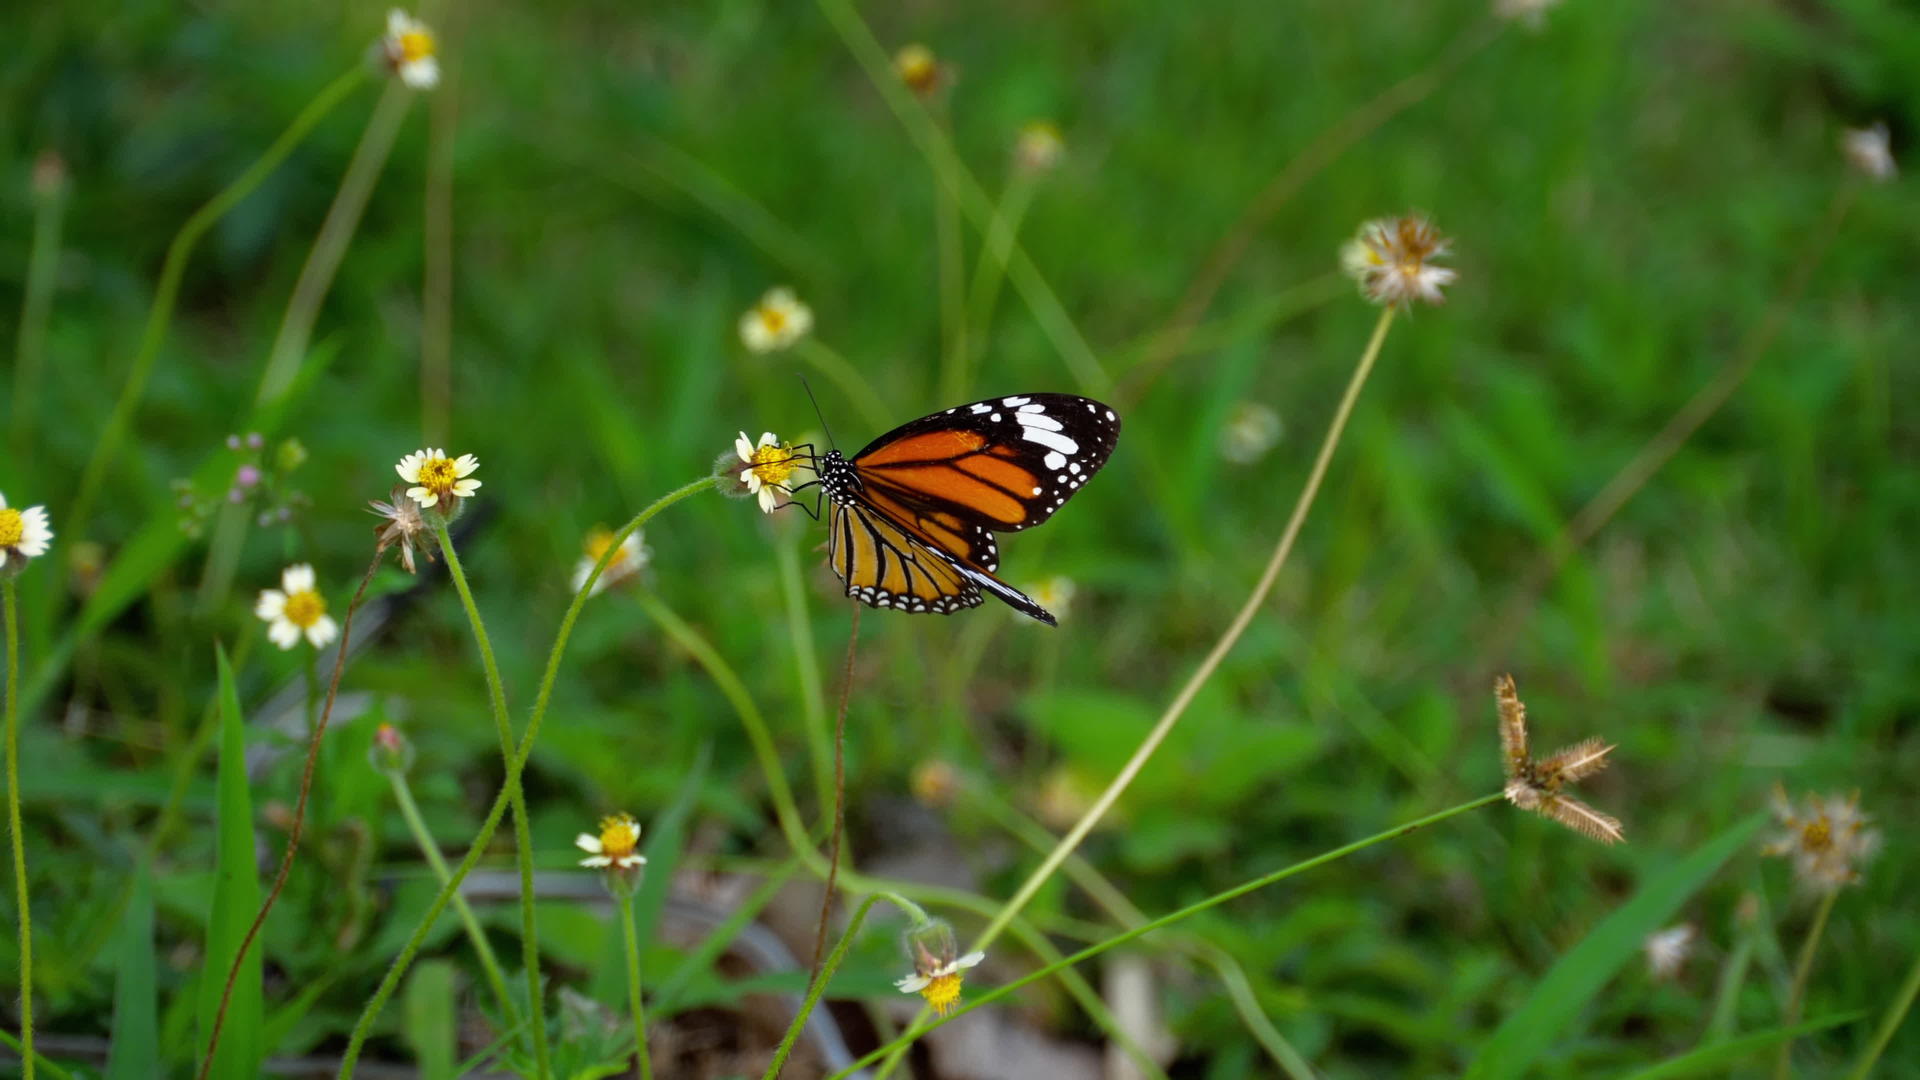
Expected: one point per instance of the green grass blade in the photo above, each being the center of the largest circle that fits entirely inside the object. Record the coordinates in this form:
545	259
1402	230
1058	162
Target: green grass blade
136	998
1720	1055
427	1020
1557	1001
236	897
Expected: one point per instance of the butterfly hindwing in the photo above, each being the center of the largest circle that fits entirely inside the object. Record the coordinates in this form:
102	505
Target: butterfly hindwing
884	566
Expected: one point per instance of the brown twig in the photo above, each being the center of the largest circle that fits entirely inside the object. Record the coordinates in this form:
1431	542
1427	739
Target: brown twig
1320	153
839	799
299	812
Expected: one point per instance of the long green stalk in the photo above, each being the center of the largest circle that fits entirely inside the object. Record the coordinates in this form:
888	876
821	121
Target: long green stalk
1802	969
899	1045
167	292
522	827
632	941
806	670
27	1058
43	263
1890	1023
515	763
819	986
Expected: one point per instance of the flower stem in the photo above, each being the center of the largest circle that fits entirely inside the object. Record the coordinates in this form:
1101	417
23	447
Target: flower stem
898	1046
1802	968
133	386
30	344
522	827
632	939
27	1058
839	795
356	1040
489	963
1896	1013
806	669
1187	693
819	986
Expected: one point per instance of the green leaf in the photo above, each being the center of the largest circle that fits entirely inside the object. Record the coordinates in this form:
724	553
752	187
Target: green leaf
1720	1055
136	1000
236	897
427	1019
1559	997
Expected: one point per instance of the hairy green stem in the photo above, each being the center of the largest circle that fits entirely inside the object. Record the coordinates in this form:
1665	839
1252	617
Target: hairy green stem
1802	969
522	827
489	963
133	385
632	940
356	1040
27	1058
897	1046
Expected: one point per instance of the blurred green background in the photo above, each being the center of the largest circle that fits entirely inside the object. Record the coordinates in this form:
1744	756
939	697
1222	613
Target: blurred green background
1630	190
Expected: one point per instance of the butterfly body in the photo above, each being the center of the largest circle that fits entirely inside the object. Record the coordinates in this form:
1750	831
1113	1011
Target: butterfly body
913	515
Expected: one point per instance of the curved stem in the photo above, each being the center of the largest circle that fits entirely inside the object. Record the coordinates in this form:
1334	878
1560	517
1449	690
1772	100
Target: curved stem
515	763
632	940
168	290
1802	968
27	1057
899	1045
819	986
522	829
489	963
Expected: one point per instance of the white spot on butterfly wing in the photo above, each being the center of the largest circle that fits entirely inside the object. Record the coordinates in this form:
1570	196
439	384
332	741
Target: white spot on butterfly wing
1052	440
979	408
1014	402
995	418
1054	460
1037	420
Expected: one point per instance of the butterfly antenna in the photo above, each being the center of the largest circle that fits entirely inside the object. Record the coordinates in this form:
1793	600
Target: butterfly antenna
816	410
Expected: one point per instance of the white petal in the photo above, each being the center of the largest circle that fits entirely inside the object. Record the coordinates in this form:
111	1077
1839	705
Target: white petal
3	556
409	466
465	488
398	22
3	496
421	74
427	499
769	498
587	842
751	479
284	634
744	448
580	573
596	861
628	862
271	603
969	960
297	578
913	984
767	439
466	465
323	630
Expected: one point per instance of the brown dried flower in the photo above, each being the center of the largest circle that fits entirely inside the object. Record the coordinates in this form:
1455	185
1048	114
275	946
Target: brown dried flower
1535	784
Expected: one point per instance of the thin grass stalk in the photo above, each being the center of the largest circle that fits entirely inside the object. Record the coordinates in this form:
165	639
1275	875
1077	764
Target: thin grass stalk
356	1039
298	829
1161	728
167	292
806	669
36	303
819	984
11	602
1890	1023
522	825
631	939
436	285
839	795
1323	151
898	1046
967	192
1797	991
1681	427
422	838
52	1068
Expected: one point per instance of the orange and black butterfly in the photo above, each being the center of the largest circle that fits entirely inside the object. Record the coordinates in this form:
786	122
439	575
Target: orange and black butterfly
913	515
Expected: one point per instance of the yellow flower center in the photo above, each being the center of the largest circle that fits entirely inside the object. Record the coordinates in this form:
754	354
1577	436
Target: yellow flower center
1817	835
13	528
619	835
415	45
774	463
917	68
774	319
437	475
598	541
943	993
304	608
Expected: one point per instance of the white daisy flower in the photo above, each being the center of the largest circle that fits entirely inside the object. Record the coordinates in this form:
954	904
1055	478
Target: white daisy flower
409	48
296	609
24	534
437	479
770	465
1391	258
1868	150
936	971
776	322
616	847
631	557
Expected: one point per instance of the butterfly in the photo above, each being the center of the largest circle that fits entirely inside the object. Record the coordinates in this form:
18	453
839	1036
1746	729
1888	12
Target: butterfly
913	515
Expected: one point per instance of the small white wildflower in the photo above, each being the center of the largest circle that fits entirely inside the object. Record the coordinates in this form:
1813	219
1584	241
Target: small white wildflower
24	534
1868	150
776	322
408	48
296	608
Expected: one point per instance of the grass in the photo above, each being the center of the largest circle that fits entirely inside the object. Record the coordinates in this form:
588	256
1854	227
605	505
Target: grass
1631	191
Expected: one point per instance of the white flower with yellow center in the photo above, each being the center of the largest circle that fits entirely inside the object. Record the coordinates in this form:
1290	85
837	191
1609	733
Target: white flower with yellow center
770	465
776	322
938	980
296	609
409	48
628	559
438	479
24	534
617	845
